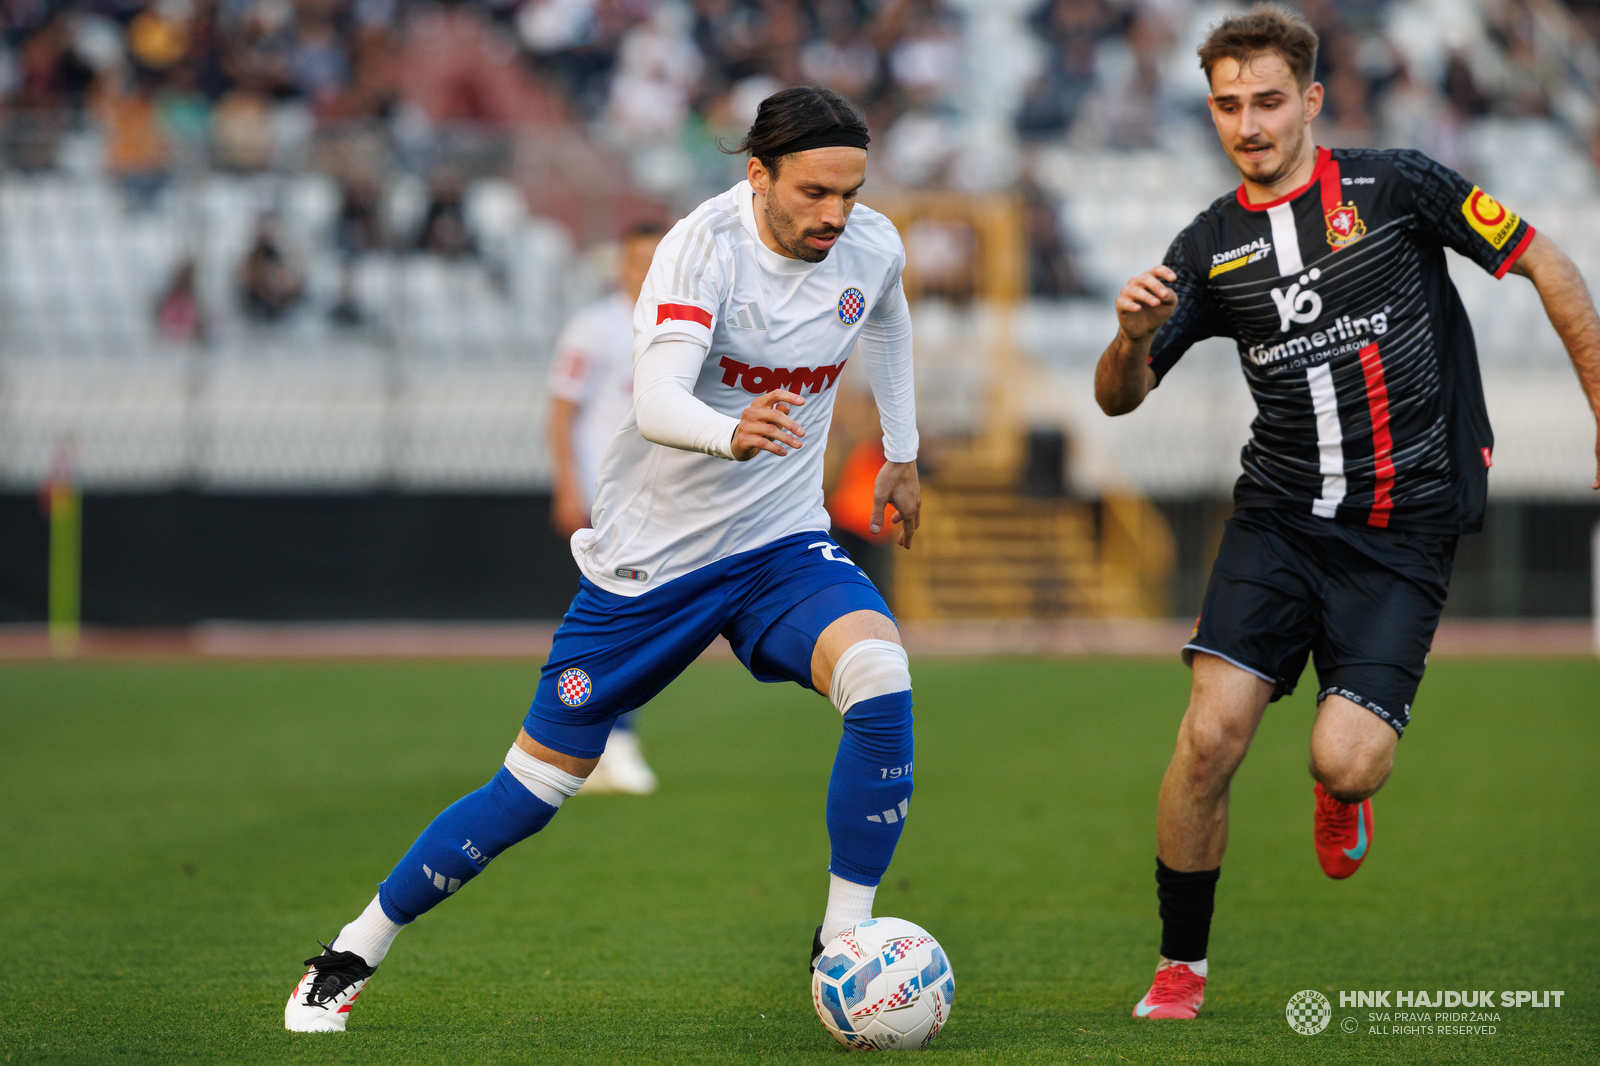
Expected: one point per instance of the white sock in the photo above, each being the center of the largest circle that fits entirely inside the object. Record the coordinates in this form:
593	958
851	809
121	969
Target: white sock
369	935
848	903
1196	968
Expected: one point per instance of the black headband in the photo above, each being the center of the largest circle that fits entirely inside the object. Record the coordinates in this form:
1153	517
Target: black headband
838	137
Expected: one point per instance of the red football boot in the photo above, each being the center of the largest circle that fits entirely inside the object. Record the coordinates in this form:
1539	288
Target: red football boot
1177	992
1342	832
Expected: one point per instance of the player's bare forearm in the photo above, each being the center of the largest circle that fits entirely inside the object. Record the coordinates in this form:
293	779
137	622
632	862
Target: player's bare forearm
1571	310
897	485
765	426
567	513
1123	377
562	415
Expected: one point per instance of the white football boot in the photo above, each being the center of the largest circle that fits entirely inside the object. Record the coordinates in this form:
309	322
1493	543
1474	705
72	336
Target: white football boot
622	767
321	1002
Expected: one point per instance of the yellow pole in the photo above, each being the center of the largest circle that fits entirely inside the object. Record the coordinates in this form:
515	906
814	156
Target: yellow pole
66	566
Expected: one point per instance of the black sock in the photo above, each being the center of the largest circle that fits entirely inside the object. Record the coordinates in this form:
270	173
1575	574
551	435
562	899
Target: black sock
1186	902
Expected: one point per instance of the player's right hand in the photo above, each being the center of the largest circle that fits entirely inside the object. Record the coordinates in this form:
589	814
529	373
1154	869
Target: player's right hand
765	426
1145	303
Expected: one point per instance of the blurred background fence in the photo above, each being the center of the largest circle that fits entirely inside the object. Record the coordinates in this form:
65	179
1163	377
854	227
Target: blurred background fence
280	279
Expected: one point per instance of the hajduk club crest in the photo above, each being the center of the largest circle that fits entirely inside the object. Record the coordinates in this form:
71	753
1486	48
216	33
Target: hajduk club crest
851	306
574	687
1345	225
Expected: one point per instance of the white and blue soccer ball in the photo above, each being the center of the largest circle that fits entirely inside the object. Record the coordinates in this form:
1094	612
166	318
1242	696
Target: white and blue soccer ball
883	984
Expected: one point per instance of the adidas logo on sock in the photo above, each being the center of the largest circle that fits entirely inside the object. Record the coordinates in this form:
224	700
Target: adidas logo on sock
749	316
890	816
450	885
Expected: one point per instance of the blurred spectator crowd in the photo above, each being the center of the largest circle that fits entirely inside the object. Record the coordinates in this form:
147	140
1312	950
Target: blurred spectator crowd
600	112
1396	75
250	85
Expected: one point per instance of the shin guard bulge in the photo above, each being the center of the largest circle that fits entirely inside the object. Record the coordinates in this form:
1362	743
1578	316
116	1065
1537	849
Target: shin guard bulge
517	802
1187	900
870	791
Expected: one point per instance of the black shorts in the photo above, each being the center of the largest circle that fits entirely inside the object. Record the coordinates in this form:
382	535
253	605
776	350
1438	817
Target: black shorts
1362	602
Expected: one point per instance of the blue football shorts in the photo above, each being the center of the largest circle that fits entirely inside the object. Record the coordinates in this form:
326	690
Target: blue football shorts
614	653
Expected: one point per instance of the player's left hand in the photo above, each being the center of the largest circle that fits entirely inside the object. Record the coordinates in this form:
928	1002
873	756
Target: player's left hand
765	426
897	484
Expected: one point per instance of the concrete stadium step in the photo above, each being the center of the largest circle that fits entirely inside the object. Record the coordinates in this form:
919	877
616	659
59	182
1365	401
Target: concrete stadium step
991	552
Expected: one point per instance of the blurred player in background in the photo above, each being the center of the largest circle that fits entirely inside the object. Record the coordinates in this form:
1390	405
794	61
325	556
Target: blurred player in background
591	393
1369	456
709	520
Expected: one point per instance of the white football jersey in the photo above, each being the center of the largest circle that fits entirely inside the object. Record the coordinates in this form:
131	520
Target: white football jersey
593	368
769	322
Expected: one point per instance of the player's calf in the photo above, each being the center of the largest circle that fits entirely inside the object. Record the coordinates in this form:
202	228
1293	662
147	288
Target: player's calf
869	794
516	803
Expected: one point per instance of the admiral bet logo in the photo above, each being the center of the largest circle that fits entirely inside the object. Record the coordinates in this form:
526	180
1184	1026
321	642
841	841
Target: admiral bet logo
1297	304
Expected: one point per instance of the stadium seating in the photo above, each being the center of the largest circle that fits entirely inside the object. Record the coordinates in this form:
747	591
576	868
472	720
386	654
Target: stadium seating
443	386
441	383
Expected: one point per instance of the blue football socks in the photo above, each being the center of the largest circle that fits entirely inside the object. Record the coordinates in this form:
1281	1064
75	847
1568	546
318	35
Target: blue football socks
870	790
459	844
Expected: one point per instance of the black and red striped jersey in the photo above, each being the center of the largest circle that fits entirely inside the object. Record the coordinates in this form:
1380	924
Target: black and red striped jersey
1353	339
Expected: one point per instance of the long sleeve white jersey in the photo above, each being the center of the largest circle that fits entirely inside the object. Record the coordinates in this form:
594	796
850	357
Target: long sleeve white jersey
765	322
593	368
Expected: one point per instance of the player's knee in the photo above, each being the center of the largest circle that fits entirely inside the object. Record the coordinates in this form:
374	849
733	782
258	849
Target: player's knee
521	799
548	784
872	689
1352	751
867	670
1209	752
1351	776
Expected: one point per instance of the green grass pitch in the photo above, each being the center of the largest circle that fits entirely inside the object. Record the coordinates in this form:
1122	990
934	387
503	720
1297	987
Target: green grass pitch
175	835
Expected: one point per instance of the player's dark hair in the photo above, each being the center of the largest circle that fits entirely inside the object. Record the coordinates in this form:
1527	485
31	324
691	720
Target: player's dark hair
1264	29
794	120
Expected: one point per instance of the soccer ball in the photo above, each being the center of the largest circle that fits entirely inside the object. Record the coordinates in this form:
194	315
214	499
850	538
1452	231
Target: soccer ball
883	984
